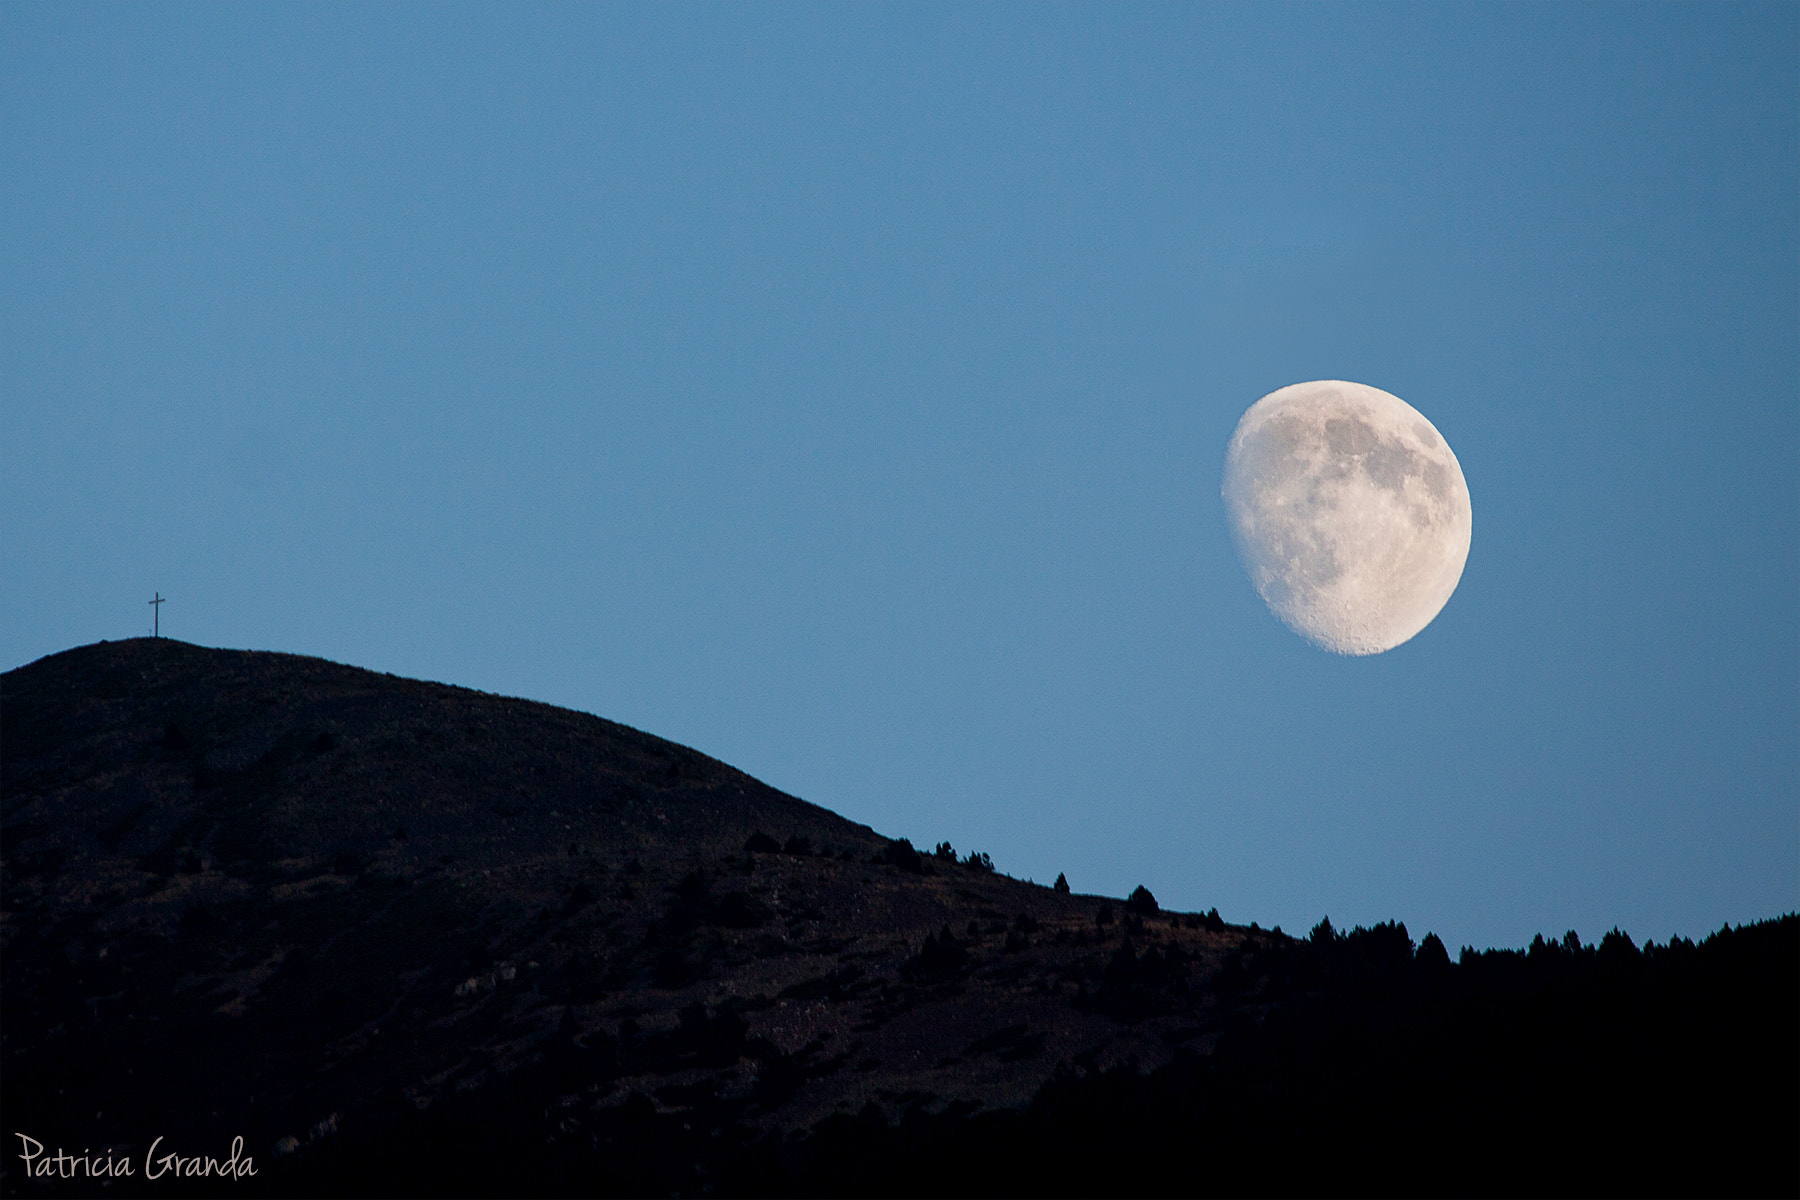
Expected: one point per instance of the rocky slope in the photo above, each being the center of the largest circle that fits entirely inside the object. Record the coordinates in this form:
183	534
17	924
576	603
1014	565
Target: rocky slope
404	937
298	895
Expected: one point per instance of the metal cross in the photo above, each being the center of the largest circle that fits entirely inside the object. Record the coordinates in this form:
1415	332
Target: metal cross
156	608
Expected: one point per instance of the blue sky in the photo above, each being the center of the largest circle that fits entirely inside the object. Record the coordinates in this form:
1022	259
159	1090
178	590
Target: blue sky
843	391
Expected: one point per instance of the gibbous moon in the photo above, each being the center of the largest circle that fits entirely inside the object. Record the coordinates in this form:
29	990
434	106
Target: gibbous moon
1350	513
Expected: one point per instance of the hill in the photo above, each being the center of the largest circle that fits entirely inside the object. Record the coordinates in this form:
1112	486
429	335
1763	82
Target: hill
403	938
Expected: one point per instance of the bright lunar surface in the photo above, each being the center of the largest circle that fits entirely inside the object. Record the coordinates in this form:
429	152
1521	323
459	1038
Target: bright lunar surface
1350	512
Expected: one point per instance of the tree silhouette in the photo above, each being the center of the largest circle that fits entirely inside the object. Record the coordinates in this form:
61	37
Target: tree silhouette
900	853
940	955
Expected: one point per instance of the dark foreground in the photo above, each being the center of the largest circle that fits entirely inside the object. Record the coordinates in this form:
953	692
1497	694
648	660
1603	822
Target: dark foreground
1602	1071
405	939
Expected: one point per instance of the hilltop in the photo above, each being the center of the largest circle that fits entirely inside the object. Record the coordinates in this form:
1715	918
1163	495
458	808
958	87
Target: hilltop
406	937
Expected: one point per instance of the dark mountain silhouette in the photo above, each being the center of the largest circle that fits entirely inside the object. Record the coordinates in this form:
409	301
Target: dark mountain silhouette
405	938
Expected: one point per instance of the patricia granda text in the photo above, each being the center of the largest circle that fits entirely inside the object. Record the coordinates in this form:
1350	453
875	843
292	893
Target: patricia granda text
157	1165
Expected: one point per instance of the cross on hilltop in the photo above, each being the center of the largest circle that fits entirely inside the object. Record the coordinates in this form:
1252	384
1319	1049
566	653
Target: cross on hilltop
156	620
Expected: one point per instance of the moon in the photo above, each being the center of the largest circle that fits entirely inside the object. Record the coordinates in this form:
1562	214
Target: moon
1349	511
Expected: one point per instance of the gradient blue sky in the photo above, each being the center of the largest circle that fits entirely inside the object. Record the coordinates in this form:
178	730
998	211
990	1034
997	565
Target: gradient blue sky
843	391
